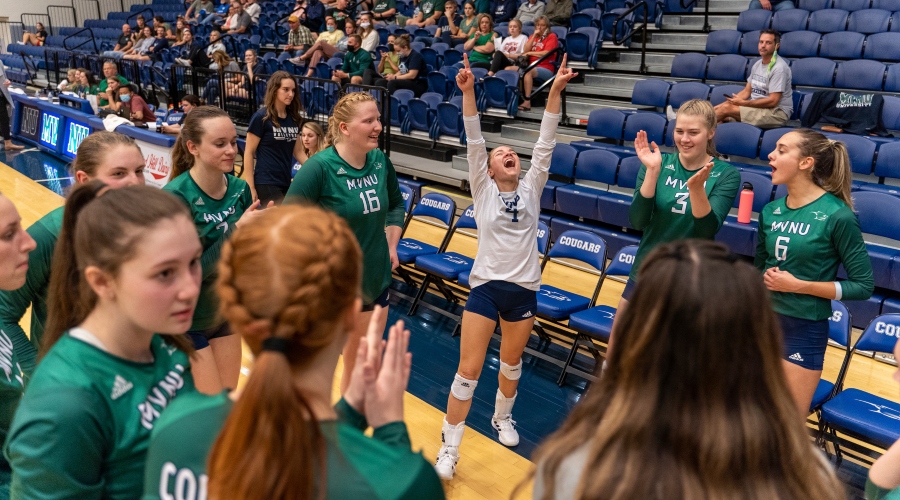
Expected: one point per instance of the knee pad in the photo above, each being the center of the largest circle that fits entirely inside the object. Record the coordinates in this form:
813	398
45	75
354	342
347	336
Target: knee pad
463	389
511	372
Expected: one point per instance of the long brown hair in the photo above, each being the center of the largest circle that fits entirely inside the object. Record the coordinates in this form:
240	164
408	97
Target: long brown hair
694	402
290	275
293	110
101	231
94	149
343	112
831	168
192	130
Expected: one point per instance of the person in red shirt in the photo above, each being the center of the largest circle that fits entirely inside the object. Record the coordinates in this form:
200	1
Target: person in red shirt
540	44
137	107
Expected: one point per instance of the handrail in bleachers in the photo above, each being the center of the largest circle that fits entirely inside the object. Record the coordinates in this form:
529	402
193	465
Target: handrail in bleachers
92	39
706	27
555	53
623	16
106	6
60	16
84	10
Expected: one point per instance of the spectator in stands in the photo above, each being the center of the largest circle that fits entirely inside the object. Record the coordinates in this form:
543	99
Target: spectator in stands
450	18
683	376
883	482
766	101
239	22
384	11
141	45
156	45
187	39
480	44
138	31
311	14
272	144
340	14
193	13
411	71
455	33
68	82
215	43
773	5
541	43
85	82
219	14
299	37
253	10
388	65
503	10
110	70
6	100
188	103
112	101
559	12
430	11
122	44
325	46
36	38
240	86
222	62
196	54
370	37
135	105
510	48
160	21
356	62
530	10
312	140
180	26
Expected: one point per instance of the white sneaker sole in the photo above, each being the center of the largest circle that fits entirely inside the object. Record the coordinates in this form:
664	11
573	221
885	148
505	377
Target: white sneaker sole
505	442
443	475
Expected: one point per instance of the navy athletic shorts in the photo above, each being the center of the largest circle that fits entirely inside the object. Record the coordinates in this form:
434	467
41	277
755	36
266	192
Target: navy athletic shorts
201	338
383	300
506	300
629	289
805	341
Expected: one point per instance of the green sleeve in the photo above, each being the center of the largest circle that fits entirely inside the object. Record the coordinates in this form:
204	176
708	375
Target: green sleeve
103	85
721	200
365	61
393	434
641	210
396	210
307	184
761	253
345	67
846	236
347	415
55	447
123	80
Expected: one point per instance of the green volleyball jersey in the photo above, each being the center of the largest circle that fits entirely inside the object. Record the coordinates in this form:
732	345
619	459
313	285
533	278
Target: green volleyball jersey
14	303
368	199
12	383
84	423
810	242
380	467
215	220
667	216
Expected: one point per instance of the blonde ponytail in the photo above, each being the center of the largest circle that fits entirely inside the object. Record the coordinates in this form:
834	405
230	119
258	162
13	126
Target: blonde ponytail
831	168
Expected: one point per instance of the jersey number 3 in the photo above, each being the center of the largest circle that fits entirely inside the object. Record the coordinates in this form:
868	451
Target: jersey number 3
370	201
681	200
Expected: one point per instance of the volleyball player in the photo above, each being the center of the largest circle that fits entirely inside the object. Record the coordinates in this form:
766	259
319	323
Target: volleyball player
507	273
126	277
112	158
202	161
289	285
802	240
356	180
683	195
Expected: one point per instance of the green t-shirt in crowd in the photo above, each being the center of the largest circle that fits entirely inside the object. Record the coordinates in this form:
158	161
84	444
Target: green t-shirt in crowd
83	426
356	63
14	303
368	199
482	6
380	467
429	7
382	6
476	56
215	220
104	85
810	242
667	216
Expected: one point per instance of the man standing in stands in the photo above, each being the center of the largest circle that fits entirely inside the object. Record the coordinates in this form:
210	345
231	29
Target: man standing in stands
766	100
109	71
559	12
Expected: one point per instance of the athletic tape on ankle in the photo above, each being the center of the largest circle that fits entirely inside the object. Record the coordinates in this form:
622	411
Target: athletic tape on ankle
511	372
463	389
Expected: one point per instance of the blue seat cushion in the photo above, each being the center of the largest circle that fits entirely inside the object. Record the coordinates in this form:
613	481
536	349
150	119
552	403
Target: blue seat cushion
463	279
613	208
409	249
558	304
580	201
864	414
878	188
823	390
740	238
548	195
446	265
595	322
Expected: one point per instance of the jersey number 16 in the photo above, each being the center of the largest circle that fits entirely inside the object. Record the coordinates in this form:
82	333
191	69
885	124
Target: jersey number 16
370	201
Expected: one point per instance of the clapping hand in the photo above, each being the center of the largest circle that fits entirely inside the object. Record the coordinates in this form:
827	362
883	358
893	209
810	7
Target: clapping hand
384	390
648	153
698	180
370	348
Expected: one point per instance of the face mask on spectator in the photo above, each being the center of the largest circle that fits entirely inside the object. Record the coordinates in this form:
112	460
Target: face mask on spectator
330	28
125	97
364	25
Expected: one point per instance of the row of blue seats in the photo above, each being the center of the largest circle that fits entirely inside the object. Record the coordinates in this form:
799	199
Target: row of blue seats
856	74
824	21
884	47
16	69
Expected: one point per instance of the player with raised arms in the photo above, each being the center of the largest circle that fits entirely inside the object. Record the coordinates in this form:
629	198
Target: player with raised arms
125	281
356	180
203	160
506	275
802	240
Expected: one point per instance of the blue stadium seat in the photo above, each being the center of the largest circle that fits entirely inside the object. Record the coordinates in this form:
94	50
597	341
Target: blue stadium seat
890	113
608	20
750	43
685	91
557	304
738	139
892	79
719	92
585	19
652	123
769	139
884	47
785	21
751	61
562	170
852	5
863	74
651	92
754	20
439	83
615	239
613	206
435	206
813	71
593	165
842	45
812	5
828	20
799	44
582	45
690	65
449	121
886	164
888	5
859	414
408	197
606	122
839	329
869	21
729	67
860	149
724	42
501	91
877	213
740	238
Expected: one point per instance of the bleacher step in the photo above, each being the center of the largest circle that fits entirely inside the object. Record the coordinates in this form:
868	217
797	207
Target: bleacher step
529	132
717	6
521	147
677	41
631	61
695	22
437	171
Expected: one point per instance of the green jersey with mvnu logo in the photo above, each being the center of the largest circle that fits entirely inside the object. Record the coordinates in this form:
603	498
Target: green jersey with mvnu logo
810	242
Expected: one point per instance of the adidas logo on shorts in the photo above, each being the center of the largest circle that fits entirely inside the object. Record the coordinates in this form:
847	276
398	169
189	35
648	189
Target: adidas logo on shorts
341	171
796	357
527	314
777	211
120	387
